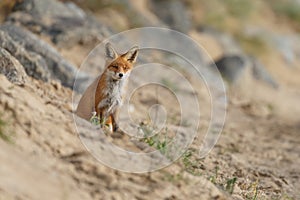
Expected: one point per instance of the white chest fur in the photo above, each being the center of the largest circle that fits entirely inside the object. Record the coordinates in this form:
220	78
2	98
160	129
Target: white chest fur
113	94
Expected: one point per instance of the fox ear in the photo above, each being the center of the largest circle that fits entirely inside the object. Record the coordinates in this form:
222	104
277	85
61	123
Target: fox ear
131	55
110	52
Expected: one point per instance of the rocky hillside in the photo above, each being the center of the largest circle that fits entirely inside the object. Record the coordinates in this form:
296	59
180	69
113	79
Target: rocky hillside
48	153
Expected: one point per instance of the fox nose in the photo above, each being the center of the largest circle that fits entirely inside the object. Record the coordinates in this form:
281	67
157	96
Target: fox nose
121	75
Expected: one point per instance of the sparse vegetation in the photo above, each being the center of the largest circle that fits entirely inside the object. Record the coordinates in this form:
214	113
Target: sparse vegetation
169	84
239	9
230	185
226	15
231	16
195	168
3	134
173	177
95	120
253	191
253	45
159	141
287	9
286	197
190	165
213	178
120	6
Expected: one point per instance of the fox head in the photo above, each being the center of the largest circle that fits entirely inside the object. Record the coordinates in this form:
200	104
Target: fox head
120	66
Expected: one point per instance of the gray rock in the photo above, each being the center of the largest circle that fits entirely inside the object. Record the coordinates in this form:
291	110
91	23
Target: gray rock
261	73
66	32
66	24
76	10
236	62
33	63
11	68
39	52
173	13
234	68
285	47
288	46
231	67
44	8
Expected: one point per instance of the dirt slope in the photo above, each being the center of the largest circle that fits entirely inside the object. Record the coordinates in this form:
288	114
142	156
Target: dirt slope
42	156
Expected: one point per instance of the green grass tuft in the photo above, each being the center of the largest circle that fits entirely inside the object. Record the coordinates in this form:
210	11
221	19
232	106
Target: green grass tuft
213	178
159	141
229	187
190	164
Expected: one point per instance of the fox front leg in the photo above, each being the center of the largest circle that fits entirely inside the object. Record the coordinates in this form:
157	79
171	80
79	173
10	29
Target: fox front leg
100	115
105	120
114	118
108	124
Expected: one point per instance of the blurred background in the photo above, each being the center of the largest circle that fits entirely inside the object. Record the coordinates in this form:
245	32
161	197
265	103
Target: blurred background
255	44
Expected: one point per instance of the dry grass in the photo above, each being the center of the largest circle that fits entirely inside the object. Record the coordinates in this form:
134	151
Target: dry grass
6	7
221	14
253	45
287	11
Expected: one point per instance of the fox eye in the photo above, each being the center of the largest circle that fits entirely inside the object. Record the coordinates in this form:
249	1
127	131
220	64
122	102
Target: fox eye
115	66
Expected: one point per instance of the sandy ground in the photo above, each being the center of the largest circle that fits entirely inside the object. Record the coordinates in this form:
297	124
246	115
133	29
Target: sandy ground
256	157
259	146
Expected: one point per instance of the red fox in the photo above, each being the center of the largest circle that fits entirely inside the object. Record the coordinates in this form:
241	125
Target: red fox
104	96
